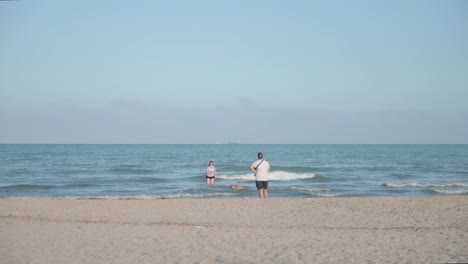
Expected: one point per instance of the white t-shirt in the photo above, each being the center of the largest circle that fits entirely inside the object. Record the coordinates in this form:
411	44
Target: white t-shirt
262	170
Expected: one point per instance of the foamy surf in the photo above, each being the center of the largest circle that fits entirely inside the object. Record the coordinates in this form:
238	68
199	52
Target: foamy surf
453	192
237	177
288	176
310	190
194	195
274	176
430	185
456	188
319	192
328	194
97	197
133	197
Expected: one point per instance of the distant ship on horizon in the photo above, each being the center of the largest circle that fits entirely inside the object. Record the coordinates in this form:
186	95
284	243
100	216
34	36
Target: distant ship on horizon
230	143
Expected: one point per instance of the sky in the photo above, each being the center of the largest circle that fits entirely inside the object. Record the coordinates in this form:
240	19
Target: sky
255	72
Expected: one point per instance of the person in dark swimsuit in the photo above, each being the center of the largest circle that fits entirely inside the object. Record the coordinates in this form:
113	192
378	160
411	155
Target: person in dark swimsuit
210	174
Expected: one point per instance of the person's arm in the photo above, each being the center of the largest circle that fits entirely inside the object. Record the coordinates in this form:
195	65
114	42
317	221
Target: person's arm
214	171
252	168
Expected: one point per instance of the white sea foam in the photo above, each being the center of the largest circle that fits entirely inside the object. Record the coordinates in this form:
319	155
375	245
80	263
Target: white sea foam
130	197
451	191
110	197
310	190
320	192
430	185
100	197
24	198
328	194
286	176
274	176
193	195
237	177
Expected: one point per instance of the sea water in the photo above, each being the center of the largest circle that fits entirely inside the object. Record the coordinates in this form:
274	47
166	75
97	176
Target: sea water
178	171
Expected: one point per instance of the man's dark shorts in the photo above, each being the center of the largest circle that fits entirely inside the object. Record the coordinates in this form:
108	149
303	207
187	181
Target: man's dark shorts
261	185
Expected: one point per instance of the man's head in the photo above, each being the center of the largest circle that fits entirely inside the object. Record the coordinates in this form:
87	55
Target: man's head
260	155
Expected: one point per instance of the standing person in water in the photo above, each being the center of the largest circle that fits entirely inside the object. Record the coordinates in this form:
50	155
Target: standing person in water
210	174
261	169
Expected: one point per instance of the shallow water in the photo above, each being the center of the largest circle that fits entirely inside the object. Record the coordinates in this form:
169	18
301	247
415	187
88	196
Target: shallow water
177	171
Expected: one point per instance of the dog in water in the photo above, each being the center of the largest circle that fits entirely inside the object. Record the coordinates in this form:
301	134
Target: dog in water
236	187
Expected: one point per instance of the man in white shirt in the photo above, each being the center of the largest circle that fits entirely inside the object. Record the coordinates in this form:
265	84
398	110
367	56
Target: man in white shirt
261	169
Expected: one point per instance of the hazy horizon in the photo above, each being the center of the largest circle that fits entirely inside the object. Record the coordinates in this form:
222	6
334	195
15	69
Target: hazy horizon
207	72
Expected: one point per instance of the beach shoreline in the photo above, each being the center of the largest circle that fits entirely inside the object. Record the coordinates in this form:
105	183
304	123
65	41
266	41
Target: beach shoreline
320	230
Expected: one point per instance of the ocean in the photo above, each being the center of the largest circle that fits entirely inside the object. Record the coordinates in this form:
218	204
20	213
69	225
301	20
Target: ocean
62	171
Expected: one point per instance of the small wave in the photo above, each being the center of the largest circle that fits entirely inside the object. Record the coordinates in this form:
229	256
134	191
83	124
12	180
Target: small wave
286	176
146	197
319	192
455	192
129	197
310	190
79	185
103	197
429	185
150	180
76	172
297	169
402	175
130	171
27	187
328	194
20	198
99	197
238	177
231	168
274	176
194	195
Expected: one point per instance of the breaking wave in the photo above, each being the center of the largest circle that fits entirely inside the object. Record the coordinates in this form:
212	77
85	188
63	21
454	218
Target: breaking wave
457	188
456	192
274	176
430	185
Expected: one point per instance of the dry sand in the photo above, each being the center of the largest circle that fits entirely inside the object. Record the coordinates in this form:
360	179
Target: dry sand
345	230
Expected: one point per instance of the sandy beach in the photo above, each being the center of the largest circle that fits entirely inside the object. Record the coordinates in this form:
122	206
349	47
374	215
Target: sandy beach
335	230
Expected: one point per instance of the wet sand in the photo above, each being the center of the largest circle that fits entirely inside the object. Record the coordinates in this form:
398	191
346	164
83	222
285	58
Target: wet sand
333	230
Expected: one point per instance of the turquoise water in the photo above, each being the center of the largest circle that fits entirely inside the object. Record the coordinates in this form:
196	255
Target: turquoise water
177	171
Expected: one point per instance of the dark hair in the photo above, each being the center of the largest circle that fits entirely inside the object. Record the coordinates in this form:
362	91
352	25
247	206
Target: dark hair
210	162
260	155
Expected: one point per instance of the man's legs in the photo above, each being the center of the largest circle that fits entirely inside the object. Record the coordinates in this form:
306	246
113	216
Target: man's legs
263	193
260	193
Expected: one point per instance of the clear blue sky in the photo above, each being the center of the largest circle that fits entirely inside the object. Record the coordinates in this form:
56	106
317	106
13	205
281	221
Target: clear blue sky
249	71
